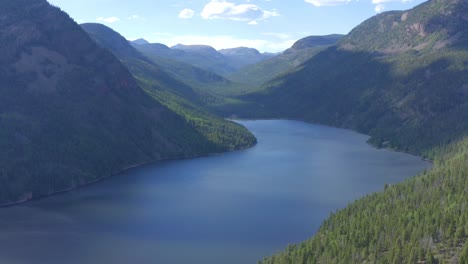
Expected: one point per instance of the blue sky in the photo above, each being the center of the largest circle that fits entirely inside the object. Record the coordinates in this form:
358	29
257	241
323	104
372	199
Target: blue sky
267	25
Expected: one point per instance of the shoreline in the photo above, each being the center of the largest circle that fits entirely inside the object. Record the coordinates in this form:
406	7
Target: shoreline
344	128
120	172
142	164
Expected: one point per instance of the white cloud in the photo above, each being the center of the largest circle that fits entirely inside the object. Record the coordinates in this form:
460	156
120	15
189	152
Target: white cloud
379	4
388	1
186	13
222	41
379	8
221	9
328	2
109	20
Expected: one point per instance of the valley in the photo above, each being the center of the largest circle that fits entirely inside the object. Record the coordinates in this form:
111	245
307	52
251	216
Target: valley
80	103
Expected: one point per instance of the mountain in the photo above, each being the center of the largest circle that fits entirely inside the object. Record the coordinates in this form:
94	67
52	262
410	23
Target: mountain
402	77
201	56
133	59
222	63
253	76
70	112
169	91
241	57
140	41
194	76
408	91
316	41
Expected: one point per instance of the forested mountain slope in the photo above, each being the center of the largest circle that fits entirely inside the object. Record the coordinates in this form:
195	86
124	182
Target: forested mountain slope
197	77
402	77
253	76
167	90
409	91
242	56
422	220
70	112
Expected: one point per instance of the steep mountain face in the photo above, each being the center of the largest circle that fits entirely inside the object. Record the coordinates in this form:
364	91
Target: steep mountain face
408	91
241	57
177	96
253	76
432	26
70	112
133	59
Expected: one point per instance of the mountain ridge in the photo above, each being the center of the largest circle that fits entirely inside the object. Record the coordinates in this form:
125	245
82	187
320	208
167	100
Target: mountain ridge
71	113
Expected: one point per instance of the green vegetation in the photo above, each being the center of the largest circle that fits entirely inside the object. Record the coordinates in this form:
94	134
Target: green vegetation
177	96
72	114
203	57
411	100
198	78
402	78
251	77
422	220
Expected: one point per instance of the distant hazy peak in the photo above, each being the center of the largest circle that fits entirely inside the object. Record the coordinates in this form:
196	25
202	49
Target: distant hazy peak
195	48
239	51
140	41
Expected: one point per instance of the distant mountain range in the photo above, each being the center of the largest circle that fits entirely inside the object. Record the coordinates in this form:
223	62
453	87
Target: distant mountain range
221	62
254	75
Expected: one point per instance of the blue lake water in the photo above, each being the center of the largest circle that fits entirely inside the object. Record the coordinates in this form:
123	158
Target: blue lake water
232	208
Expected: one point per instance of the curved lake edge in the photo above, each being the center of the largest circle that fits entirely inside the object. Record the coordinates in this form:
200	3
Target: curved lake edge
342	128
242	205
122	172
149	163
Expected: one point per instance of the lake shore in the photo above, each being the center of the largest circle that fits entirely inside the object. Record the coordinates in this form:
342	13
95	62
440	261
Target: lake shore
119	172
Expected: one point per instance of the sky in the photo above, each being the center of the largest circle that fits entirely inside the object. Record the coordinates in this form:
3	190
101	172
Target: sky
267	25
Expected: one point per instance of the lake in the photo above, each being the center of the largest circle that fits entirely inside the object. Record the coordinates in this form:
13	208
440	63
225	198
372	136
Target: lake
233	208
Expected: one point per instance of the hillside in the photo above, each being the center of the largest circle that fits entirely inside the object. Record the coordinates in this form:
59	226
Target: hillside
402	78
422	220
242	56
196	77
253	76
200	56
168	91
70	112
411	100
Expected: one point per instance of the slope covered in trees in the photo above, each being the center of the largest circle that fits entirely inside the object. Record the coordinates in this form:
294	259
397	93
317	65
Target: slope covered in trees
70	112
194	76
402	77
422	220
409	91
253	76
167	90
